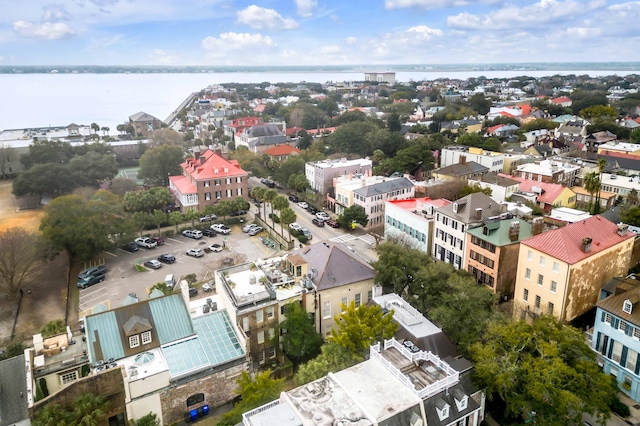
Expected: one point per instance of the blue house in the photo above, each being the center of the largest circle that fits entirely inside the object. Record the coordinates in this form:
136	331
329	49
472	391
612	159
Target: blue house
616	338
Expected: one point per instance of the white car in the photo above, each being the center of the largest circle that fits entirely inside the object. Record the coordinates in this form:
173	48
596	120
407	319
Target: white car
249	227
295	226
208	218
196	252
220	228
215	247
324	216
196	234
145	242
303	204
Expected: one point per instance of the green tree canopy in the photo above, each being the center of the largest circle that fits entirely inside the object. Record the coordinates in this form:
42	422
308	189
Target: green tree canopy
545	367
147	200
359	327
45	179
253	392
298	182
87	409
599	112
94	167
291	166
160	162
470	189
301	341
333	358
43	152
631	216
537	124
353	214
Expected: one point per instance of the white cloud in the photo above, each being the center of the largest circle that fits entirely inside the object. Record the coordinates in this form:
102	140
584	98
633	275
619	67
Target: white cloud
422	32
163	57
55	13
306	7
46	30
351	40
231	41
426	4
260	18
330	50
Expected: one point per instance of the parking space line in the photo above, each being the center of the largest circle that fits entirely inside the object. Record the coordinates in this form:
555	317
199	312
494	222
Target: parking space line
111	254
124	251
177	241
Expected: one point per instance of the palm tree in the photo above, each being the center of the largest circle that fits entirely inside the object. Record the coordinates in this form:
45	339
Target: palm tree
279	202
158	218
140	220
602	163
268	198
176	218
192	215
95	127
51	414
592	185
258	194
223	208
89	409
52	328
287	217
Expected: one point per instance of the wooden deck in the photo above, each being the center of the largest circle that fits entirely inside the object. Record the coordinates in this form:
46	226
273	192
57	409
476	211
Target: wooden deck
421	374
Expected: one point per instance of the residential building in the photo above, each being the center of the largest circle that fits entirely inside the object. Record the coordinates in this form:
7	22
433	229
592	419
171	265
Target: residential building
615	338
548	171
411	221
562	216
509	111
144	123
572	128
281	153
563	101
616	147
206	179
492	253
584	200
237	125
460	172
544	195
452	154
388	77
261	137
501	186
372	197
452	222
617	162
622	186
14	397
470	125
561	271
320	174
393	387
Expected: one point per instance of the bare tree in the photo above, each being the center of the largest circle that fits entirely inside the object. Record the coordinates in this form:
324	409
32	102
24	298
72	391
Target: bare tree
5	160
21	257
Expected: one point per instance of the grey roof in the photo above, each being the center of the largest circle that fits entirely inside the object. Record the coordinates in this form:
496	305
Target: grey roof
384	187
268	140
495	179
448	397
612	215
261	130
467	208
333	265
459	169
620	163
543	149
13	391
142	116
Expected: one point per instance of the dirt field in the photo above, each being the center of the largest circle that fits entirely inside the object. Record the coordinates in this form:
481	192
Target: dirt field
47	298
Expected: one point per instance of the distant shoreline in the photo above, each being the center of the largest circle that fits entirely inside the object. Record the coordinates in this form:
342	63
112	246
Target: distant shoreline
191	69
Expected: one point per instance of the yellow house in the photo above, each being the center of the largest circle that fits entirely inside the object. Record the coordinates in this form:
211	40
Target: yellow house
549	195
561	272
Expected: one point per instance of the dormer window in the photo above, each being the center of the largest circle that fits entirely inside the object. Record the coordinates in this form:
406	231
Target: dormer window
442	408
461	399
146	337
138	331
134	341
627	306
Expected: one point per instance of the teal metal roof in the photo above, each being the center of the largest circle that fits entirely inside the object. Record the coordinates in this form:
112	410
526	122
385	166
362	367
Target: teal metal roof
105	326
185	356
171	318
499	232
218	337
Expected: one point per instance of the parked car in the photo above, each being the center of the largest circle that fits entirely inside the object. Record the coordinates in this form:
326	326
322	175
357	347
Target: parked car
295	226
312	210
145	242
95	270
208	232
215	247
208	287
303	204
323	216
166	258
208	218
317	222
293	198
195	252
268	182
196	234
130	247
220	228
159	240
153	264
239	213
90	280
306	233
248	228
193	291
333	223
256	230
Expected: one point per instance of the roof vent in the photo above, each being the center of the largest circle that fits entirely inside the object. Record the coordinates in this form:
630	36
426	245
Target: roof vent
478	213
586	245
623	228
455	207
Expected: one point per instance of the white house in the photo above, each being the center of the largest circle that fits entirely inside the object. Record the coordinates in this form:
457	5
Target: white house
450	155
320	174
501	187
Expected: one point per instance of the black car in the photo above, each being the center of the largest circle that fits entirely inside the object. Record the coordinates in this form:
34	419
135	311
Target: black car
312	210
209	232
130	247
268	182
167	258
317	222
293	198
193	291
96	270
239	213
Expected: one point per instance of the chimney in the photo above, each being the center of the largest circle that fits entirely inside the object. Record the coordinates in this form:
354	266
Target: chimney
455	207
350	176
202	160
463	159
514	230
537	225
479	213
622	229
196	154
586	245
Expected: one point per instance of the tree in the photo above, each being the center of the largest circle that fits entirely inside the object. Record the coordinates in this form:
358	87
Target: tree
160	162
359	327
164	137
393	122
545	367
268	197
397	267
631	216
45	179
95	127
223	208
258	194
599	112
5	160
635	136
479	103
149	420
90	409
291	166
93	167
141	220
122	185
301	341
279	203
53	328
333	358
287	217
602	163
591	185
158	217
51	414
43	152
304	139
537	124
298	182
351	215
176	218
253	392
21	259
147	200
467	189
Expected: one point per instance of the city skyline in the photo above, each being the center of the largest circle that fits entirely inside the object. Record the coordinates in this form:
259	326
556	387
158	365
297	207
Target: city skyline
317	32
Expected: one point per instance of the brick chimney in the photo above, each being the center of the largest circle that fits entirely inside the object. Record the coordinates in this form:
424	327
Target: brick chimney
463	159
537	226
514	230
586	245
479	213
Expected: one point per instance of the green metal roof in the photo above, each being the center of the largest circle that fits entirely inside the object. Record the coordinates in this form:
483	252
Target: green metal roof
218	337
103	332
171	318
498	234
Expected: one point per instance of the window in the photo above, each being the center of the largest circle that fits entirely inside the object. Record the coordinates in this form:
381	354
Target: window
540	280
270	312
261	357
358	300
229	193
530	255
326	310
627	306
207	183
238	180
207	196
543	261
195	399
218	194
134	341
272	352
608	318
556	267
369	295
245	323
617	351
344	301
260	337
272	333
146	337
526	295
622	326
636	333
228	181
527	274
537	305
550	309
327	330
554	286
68	377
216	182
259	316
632	358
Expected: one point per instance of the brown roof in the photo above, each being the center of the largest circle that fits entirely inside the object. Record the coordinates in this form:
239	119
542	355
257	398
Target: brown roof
614	303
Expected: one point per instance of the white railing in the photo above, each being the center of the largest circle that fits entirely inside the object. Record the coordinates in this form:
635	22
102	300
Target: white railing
246	420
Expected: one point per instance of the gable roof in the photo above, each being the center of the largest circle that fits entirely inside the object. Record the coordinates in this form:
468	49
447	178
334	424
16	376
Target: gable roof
498	231
448	398
618	160
459	169
142	116
333	265
206	169
283	149
614	304
467	206
564	243
550	191
384	187
498	180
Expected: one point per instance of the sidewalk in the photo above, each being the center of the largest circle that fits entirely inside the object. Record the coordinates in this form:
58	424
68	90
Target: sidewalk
634	408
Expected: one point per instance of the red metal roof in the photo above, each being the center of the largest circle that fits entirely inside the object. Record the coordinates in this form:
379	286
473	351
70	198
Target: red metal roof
551	190
565	243
283	149
183	184
212	167
494	128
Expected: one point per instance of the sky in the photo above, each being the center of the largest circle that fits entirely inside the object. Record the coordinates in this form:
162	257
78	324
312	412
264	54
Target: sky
316	32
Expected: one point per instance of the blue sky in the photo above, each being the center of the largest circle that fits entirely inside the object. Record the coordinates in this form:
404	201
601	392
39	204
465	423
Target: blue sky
317	32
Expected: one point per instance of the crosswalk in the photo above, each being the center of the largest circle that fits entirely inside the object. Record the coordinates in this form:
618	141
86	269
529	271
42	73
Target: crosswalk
368	239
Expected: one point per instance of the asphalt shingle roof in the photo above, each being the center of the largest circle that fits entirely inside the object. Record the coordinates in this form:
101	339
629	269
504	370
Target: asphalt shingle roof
384	187
13	392
467	208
